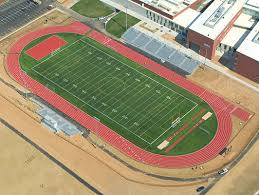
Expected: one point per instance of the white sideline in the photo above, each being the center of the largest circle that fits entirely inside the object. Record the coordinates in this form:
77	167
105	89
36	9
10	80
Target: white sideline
154	139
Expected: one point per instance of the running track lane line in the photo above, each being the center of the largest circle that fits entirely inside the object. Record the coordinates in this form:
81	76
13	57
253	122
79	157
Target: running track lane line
201	156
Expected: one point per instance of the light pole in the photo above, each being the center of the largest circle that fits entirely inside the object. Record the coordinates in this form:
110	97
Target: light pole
206	46
126	11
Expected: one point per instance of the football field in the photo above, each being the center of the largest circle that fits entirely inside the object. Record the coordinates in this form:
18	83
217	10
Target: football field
136	103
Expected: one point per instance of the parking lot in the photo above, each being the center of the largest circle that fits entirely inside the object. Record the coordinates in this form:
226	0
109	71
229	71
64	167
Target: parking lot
15	14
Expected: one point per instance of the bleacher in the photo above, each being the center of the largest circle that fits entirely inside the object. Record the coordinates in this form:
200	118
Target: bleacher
57	123
222	108
160	50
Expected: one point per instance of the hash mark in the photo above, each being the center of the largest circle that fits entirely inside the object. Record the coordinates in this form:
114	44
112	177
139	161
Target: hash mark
147	85
114	110
136	124
125	117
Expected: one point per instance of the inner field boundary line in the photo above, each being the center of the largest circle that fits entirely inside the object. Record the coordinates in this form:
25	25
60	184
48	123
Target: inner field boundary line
141	73
149	142
201	156
180	95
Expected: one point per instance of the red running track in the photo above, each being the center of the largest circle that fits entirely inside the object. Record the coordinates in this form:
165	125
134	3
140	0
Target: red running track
222	108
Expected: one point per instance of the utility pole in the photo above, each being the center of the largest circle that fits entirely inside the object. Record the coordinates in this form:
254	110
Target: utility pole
126	22
206	46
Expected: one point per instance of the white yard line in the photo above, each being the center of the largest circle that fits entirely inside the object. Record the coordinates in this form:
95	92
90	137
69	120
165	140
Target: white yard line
58	52
91	106
162	118
171	127
143	74
75	65
158	100
133	111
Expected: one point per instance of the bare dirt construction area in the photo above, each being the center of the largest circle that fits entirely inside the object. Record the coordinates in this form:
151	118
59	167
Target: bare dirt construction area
243	178
26	171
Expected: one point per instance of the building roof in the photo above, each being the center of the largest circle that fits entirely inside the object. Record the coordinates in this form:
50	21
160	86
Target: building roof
245	21
235	37
252	5
171	7
250	45
242	27
216	17
186	18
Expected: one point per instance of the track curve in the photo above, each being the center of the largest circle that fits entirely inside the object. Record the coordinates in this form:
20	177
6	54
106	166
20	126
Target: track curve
221	107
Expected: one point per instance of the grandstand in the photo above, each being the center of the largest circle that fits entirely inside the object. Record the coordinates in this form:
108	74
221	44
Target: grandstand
162	51
57	123
190	125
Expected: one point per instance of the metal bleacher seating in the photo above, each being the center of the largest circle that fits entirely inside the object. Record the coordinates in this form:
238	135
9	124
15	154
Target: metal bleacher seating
160	50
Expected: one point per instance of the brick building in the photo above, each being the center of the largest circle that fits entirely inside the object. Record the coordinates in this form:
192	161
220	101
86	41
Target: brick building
207	32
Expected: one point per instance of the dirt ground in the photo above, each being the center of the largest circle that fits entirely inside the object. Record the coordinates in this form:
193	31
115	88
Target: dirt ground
236	93
57	18
84	161
92	164
26	171
243	178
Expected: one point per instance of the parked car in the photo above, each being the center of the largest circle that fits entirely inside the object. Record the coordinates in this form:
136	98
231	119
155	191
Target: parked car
223	171
50	7
199	189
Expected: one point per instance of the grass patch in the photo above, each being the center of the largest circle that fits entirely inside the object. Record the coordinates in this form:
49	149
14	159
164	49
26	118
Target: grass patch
117	25
92	8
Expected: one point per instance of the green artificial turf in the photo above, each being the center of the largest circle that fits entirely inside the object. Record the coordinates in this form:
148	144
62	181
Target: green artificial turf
134	102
